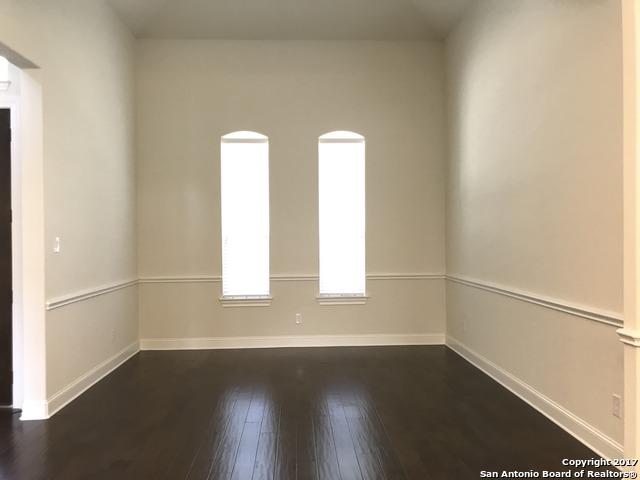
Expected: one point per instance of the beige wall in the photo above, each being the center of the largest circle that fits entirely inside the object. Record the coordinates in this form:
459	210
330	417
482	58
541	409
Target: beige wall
86	59
535	194
192	310
190	93
534	185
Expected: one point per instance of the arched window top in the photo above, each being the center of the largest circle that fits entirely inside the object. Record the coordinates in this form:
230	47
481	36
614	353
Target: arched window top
341	136
244	136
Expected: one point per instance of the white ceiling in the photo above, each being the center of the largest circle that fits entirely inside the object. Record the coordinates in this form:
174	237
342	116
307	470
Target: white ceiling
291	19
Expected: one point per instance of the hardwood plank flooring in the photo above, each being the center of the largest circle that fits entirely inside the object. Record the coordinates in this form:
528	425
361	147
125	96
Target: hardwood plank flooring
367	413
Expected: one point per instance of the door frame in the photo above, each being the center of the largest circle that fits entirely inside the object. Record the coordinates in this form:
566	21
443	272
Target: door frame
30	185
30	356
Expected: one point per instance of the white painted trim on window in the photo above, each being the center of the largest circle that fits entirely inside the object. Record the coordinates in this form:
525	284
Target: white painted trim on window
212	343
294	278
590	313
87	294
329	299
246	301
593	438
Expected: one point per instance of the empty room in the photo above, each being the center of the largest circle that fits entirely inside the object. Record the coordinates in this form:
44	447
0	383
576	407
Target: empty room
296	239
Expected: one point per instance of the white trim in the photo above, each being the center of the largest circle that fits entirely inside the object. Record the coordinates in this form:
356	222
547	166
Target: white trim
593	438
84	382
34	411
88	293
289	277
182	279
212	343
294	278
330	299
246	301
34	387
629	337
406	276
590	313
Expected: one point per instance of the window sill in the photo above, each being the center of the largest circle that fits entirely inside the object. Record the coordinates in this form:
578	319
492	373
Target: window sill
342	299
246	301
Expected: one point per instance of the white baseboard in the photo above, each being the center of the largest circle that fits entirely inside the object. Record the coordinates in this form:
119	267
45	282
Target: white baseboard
67	394
581	430
34	411
205	343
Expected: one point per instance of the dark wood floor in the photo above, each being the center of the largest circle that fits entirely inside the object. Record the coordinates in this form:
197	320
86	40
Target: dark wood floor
325	413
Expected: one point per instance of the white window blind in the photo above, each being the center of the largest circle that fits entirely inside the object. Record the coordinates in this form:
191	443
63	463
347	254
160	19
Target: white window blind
245	214
341	175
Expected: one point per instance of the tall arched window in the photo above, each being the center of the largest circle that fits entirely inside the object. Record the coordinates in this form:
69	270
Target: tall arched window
341	177
244	175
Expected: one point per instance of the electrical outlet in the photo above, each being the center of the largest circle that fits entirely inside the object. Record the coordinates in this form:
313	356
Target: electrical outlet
617	406
298	319
56	245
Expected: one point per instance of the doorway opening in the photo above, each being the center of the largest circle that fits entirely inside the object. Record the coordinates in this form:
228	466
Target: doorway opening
22	96
11	318
6	263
